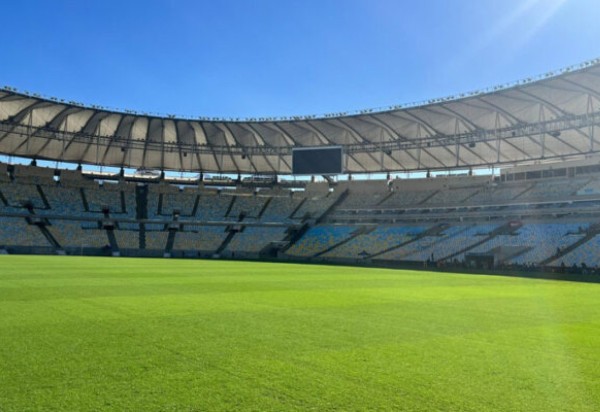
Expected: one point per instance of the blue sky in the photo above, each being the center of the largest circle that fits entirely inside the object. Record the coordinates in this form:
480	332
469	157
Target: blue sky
266	58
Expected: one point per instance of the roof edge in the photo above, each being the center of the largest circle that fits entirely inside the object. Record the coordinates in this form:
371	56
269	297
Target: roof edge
344	114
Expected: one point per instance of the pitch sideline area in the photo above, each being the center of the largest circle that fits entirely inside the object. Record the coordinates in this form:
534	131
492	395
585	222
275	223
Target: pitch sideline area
158	334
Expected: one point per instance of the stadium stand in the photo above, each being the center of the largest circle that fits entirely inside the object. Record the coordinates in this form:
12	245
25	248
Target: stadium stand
586	254
319	238
180	202
128	239
200	238
156	240
434	221
64	201
17	195
213	206
280	209
546	239
381	238
457	240
17	232
591	188
105	197
71	234
254	238
314	206
524	246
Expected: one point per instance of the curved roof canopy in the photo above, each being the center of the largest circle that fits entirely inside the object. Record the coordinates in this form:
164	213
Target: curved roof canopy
554	117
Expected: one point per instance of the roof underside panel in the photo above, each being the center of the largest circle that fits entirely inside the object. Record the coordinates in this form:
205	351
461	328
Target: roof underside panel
302	135
398	126
336	132
12	106
271	134
169	131
556	117
185	133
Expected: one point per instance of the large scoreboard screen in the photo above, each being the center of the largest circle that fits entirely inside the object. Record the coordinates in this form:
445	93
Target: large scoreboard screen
317	160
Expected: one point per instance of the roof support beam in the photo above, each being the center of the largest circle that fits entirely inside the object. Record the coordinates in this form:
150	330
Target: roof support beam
260	142
357	137
214	154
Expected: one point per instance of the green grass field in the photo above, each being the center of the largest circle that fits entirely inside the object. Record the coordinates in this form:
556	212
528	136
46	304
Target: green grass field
122	334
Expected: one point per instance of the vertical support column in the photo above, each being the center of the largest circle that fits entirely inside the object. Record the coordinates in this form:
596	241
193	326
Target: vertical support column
29	129
589	110
279	161
65	129
496	127
346	155
197	154
419	147
98	140
381	151
457	143
541	118
162	146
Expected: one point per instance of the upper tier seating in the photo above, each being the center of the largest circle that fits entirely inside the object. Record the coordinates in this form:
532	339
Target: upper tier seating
105	197
591	188
249	205
402	199
280	209
357	200
180	201
445	197
315	206
554	189
17	194
498	194
213	207
65	201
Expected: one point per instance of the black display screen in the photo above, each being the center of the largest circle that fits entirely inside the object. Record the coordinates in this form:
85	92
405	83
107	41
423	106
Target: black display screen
317	161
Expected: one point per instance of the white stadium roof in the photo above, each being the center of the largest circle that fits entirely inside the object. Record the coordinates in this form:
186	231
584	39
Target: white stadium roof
553	117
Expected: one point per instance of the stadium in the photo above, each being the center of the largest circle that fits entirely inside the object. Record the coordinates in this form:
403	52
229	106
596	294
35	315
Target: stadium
240	202
305	262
